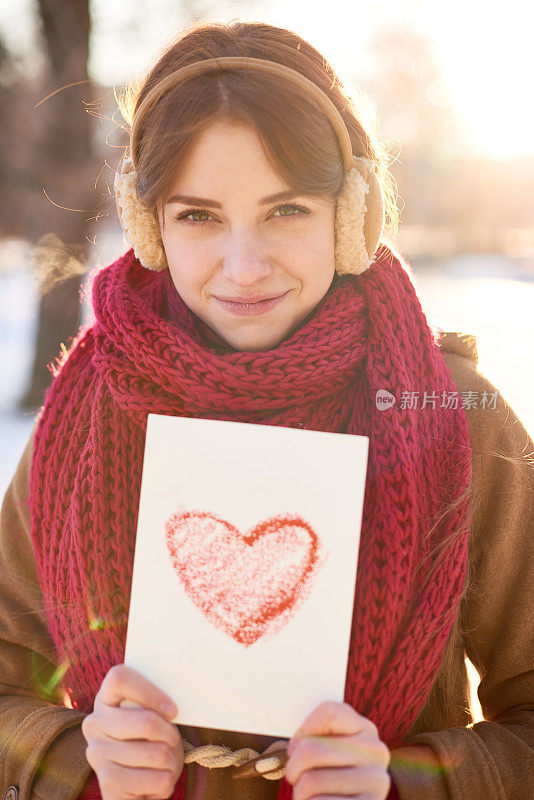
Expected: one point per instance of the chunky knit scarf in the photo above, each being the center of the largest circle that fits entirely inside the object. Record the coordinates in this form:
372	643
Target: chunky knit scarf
145	352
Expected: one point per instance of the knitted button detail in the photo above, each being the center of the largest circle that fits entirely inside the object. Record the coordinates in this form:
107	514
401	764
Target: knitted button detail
12	793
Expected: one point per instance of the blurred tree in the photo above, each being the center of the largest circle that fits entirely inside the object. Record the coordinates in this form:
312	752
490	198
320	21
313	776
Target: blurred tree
64	166
417	108
417	114
14	150
441	182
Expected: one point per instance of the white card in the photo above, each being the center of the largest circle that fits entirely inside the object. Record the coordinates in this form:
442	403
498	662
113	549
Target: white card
245	568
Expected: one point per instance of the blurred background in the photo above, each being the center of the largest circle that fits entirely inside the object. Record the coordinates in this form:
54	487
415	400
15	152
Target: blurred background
448	85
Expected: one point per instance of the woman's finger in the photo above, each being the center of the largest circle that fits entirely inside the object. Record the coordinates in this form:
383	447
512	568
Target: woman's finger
331	717
120	781
131	723
122	682
343	781
150	755
336	751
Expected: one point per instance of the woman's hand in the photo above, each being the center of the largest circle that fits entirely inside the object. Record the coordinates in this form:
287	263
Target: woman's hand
135	752
337	753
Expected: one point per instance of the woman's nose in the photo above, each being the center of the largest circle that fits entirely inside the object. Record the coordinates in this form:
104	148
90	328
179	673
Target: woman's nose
246	265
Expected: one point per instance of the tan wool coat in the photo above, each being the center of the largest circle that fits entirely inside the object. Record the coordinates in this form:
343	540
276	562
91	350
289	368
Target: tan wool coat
446	757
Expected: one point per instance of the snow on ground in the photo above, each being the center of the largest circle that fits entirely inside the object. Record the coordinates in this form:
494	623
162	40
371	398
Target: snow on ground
18	323
18	308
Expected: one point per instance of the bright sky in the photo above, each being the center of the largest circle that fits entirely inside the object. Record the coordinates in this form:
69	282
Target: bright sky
485	52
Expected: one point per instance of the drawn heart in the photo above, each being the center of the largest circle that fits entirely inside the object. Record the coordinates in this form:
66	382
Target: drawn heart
247	585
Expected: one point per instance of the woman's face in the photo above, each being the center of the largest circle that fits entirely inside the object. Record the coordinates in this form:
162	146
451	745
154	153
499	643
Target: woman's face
230	243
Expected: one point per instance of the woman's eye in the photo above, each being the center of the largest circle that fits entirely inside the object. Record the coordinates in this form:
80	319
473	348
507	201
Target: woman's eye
192	212
300	210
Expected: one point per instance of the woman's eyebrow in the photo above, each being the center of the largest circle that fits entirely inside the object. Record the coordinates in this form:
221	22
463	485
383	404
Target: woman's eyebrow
188	199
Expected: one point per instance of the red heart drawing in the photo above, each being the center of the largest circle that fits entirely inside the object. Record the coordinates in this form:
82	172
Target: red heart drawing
247	585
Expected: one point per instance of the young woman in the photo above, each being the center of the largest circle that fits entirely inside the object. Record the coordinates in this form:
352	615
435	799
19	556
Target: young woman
260	288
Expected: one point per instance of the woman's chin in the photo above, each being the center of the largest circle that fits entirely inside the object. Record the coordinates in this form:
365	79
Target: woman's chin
222	339
253	343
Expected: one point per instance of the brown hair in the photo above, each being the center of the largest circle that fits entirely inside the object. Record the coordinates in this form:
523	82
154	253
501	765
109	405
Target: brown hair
297	137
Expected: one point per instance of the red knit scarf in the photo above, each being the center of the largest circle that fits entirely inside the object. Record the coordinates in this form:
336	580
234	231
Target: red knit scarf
145	353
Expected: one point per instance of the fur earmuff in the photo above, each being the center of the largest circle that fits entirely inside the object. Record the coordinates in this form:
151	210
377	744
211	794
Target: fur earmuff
138	223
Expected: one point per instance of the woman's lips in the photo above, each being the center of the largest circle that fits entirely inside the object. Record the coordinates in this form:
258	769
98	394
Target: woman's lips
250	309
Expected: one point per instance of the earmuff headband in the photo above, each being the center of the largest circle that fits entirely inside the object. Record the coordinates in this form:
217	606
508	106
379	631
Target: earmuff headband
240	62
